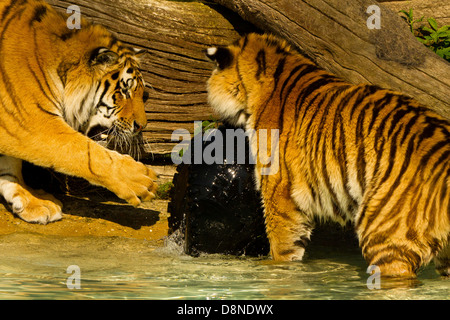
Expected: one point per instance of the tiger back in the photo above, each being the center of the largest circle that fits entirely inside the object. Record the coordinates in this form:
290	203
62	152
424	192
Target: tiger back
350	153
58	86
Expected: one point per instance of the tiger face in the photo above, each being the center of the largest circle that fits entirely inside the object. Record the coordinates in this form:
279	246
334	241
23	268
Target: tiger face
237	84
112	112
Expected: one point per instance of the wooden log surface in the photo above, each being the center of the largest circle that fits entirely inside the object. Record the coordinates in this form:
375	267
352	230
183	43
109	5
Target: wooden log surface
332	32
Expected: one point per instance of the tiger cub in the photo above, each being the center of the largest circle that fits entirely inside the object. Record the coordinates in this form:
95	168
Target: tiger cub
347	152
56	86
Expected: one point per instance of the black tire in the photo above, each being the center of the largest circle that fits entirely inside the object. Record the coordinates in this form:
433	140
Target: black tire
216	208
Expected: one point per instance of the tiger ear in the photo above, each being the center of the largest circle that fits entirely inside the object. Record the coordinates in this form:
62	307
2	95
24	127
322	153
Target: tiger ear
222	56
103	56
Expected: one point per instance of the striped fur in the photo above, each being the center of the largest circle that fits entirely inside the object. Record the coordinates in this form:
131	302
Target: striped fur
58	85
347	152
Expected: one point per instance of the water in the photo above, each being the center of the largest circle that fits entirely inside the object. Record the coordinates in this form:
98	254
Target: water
35	267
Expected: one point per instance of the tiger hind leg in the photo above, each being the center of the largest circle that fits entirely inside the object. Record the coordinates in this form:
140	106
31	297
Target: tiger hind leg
30	205
442	260
394	254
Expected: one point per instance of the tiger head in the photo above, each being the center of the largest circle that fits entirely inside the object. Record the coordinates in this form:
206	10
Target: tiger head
241	71
104	96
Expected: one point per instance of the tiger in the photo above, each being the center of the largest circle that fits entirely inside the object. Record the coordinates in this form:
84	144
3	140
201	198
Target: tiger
358	154
58	86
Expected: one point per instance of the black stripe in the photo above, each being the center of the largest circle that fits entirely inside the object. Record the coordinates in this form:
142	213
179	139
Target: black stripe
89	159
311	119
426	158
278	72
39	13
339	147
401	253
244	44
405	163
241	81
380	129
408	127
360	159
46	111
323	137
39	83
3	73
105	89
428	132
311	88
10	6
285	97
379	105
261	62
395	122
36	57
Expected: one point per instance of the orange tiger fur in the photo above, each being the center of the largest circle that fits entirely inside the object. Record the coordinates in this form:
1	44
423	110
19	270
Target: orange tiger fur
56	84
347	152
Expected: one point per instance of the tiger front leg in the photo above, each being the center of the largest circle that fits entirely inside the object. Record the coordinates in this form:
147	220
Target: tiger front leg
52	143
30	205
288	229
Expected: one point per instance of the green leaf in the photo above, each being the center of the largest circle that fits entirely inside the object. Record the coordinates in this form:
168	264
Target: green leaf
434	36
421	40
428	30
442	34
419	20
433	23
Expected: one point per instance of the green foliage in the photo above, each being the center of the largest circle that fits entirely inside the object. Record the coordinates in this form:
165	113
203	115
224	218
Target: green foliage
435	38
163	191
207	125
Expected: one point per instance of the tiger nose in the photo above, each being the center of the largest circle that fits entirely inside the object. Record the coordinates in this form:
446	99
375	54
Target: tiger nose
137	127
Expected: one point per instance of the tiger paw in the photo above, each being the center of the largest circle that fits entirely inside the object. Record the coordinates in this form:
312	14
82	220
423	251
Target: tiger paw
132	181
39	207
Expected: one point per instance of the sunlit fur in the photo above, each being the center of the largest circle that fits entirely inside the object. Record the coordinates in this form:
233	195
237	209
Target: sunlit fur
354	153
58	85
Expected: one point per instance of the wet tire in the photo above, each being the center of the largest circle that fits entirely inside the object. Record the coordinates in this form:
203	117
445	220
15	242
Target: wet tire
215	207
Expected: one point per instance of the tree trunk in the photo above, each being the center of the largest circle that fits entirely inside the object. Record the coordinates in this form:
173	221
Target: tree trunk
334	33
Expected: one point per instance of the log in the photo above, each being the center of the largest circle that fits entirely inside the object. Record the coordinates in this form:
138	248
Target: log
334	33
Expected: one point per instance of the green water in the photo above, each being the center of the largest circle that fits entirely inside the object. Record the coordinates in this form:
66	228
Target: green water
35	267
